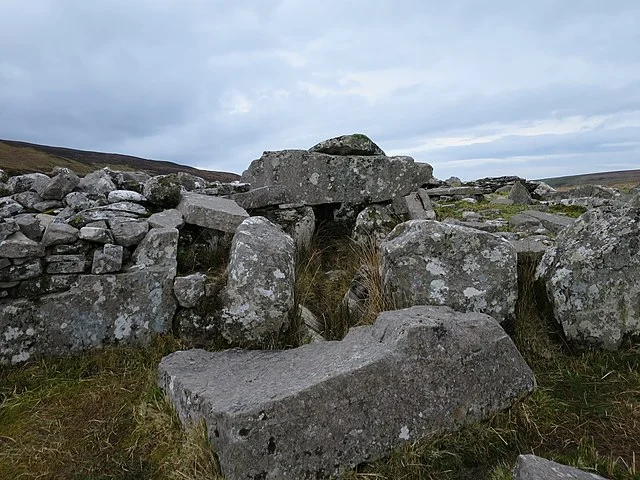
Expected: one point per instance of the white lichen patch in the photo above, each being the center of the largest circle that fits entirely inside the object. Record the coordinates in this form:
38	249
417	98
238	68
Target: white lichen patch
122	327
404	433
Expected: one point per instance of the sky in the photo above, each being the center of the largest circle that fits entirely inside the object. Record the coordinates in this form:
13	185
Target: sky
475	88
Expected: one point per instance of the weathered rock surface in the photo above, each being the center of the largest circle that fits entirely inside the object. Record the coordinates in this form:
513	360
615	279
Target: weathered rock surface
211	212
97	310
60	185
519	195
258	297
190	289
419	206
533	220
171	218
97	183
298	176
125	196
425	262
18	245
591	277
159	248
107	260
325	407
356	144
530	467
128	232
59	233
374	222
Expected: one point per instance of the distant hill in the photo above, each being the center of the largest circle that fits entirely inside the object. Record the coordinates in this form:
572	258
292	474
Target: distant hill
20	157
622	178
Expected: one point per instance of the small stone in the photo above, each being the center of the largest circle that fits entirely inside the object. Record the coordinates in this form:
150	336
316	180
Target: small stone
32	268
60	185
7	227
211	212
59	233
107	260
9	207
171	218
190	289
96	235
30	181
128	232
65	264
125	196
30	226
83	201
158	248
98	182
17	245
531	467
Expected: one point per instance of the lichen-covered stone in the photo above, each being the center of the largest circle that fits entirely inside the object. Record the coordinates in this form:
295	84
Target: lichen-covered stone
117	196
531	467
298	176
29	181
65	264
189	289
159	248
419	206
97	183
128	232
107	260
591	276
9	207
31	268
171	218
321	409
96	235
163	190
374	222
356	144
18	245
519	195
211	212
59	233
425	262
60	185
258	296
97	310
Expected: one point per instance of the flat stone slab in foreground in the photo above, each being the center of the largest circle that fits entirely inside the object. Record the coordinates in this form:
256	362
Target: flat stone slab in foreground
325	407
530	467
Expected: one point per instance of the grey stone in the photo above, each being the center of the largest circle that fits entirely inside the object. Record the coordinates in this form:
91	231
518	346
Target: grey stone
520	195
128	232
83	201
424	262
297	176
4	262
455	191
44	285
30	226
98	309
127	207
30	181
5	190
9	207
543	190
190	289
453	182
96	235
28	199
373	224
222	189
323	408
97	183
59	233
65	264
303	229
171	218
533	220
32	268
258	297
129	180
484	226
47	205
7	227
159	248
4	176
356	144
501	201
117	196
419	206
98	214
60	185
590	278
198	328
163	190
18	245
531	467
211	212
531	249
107	260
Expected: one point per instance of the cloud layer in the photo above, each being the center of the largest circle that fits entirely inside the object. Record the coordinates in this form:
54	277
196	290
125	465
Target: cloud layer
474	88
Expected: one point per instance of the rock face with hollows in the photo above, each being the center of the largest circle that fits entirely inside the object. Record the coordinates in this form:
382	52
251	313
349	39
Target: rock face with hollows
325	407
591	277
425	262
299	176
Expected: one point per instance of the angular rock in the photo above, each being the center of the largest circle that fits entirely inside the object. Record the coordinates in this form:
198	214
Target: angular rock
97	310
28	200
211	212
533	220
9	207
44	285
128	232
591	276
171	218
107	260
65	264
18	245
125	196
7	227
30	181
373	223
190	289
163	190
323	408
543	189
97	183
297	221
159	248
30	226
258	296
83	201
419	205
455	191
98	214
297	176
60	185
96	235
453	182
31	268
356	144
519	195
530	467
59	233
424	262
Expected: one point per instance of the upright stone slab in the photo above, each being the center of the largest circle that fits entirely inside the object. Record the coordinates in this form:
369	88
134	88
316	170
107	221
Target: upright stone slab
299	176
211	212
424	262
98	310
530	467
325	407
259	292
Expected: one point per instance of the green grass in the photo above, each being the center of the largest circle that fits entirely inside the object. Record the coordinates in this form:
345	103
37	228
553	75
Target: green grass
101	416
488	210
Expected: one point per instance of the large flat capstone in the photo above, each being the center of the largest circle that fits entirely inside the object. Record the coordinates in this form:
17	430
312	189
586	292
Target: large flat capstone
320	409
299	176
211	212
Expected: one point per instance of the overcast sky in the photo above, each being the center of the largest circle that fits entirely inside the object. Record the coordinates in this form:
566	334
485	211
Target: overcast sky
475	88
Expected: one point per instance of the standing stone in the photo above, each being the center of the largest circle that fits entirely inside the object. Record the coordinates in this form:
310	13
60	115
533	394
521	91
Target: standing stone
211	212
107	260
128	232
590	277
258	296
519	195
323	408
60	185
356	144
424	262
419	206
530	467
190	289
